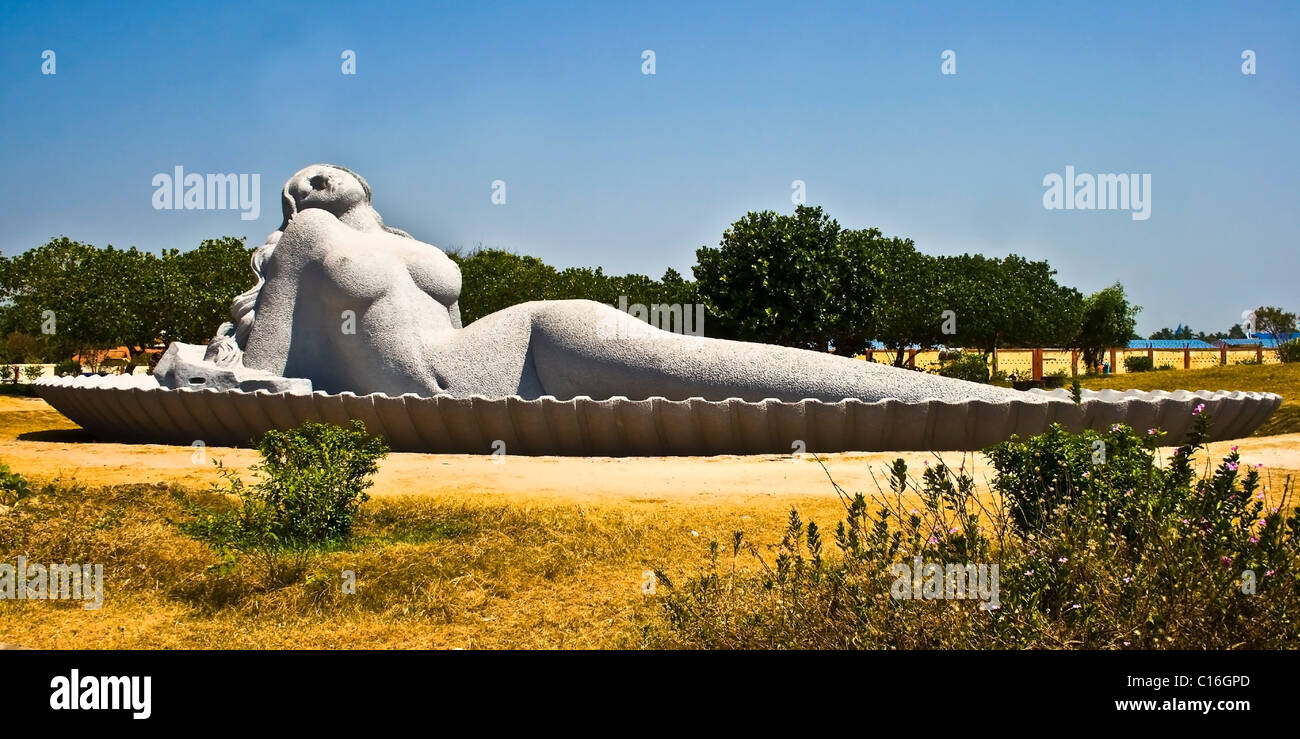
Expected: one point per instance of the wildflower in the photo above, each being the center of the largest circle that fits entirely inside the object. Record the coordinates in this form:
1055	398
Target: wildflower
1226	561
1151	432
953	530
1076	605
1234	449
694	533
1259	495
1029	572
1086	475
1254	540
933	540
1126	644
1268	574
1128	580
1128	492
1186	522
1063	560
1232	466
1198	409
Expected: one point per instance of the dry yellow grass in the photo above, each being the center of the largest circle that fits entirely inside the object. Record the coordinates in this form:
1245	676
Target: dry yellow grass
453	551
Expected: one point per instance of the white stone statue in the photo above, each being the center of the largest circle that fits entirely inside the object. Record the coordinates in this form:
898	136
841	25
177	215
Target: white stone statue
349	304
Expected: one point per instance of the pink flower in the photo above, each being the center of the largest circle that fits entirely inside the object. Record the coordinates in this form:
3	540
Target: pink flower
1063	560
1268	574
1226	561
933	540
1198	409
1128	579
1029	572
1234	449
1151	432
1232	466
952	530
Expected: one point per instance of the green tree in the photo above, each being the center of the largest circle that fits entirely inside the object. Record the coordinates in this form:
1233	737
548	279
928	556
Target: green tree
1007	302
195	288
907	311
1108	320
1275	323
772	278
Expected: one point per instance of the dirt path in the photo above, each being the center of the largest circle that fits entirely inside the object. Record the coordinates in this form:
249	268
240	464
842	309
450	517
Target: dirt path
38	441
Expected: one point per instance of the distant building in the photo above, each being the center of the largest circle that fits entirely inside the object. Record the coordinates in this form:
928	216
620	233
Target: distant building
1168	344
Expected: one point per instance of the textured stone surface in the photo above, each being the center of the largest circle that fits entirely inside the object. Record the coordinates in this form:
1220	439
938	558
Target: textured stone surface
135	408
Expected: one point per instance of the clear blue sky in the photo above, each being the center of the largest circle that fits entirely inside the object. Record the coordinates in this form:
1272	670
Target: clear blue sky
607	166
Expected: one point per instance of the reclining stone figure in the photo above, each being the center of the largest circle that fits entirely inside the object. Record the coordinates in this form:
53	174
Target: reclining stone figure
345	303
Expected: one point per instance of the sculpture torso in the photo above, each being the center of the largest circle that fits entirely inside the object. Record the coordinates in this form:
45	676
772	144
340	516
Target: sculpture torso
354	309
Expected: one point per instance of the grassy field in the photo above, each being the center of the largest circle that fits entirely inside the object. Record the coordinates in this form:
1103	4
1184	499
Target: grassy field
438	564
1283	379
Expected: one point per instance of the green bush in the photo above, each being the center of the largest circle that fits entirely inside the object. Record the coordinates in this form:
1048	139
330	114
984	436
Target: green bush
1096	547
966	366
1138	364
311	481
68	367
1289	351
13	486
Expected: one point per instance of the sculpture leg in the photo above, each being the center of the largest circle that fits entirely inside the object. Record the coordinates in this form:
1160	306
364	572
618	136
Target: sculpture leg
578	348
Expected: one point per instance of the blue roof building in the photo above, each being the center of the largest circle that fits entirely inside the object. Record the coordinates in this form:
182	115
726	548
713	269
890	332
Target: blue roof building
1168	344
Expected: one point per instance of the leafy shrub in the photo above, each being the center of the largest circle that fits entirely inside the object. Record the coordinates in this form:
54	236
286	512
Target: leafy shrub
312	480
13	486
1289	351
68	367
7	373
1055	379
33	372
1138	364
965	366
1093	554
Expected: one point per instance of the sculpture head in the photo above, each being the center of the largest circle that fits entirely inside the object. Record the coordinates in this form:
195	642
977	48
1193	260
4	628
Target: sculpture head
329	187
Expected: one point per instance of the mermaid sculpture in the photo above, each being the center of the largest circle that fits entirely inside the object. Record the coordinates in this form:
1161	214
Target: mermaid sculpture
346	303
351	319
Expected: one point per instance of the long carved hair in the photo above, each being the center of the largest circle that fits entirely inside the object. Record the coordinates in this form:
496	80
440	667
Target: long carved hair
232	337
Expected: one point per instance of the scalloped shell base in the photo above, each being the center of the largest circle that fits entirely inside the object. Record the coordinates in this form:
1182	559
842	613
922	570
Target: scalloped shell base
135	409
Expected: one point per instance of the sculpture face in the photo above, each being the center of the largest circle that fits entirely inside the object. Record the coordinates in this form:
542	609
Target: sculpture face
326	187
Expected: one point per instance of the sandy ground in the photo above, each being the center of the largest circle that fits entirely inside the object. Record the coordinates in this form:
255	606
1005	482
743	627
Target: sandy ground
41	443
